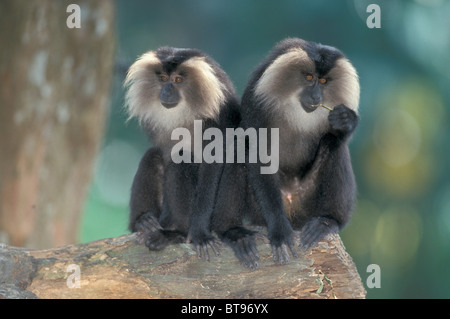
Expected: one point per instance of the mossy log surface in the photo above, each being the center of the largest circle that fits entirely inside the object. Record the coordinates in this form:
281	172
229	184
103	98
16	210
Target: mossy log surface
120	268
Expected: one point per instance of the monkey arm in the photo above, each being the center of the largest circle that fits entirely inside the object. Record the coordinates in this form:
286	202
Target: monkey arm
206	192
146	193
332	201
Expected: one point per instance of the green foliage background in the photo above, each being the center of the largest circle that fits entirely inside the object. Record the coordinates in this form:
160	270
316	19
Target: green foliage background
400	151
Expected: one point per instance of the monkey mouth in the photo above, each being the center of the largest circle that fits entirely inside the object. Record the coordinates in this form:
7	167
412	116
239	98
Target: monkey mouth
169	105
308	107
307	104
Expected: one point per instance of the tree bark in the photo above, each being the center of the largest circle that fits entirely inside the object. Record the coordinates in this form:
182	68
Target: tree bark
54	92
120	268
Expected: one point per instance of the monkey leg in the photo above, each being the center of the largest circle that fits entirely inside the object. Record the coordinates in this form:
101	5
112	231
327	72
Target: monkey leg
329	207
200	236
178	189
146	193
229	211
267	194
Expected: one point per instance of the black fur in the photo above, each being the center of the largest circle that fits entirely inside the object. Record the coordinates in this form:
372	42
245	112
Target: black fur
324	56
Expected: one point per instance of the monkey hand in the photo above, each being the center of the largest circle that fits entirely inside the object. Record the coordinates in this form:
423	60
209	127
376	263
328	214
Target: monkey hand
280	251
342	120
315	230
281	239
159	239
242	241
202	242
145	224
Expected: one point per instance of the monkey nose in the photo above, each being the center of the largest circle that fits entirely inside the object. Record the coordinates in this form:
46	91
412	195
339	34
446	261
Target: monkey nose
316	99
169	96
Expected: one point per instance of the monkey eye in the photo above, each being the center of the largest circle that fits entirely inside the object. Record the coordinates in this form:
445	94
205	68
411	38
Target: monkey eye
323	81
309	77
164	78
178	79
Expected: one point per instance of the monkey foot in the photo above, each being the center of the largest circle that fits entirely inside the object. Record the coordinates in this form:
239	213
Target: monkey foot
158	240
145	224
242	241
281	254
315	230
202	249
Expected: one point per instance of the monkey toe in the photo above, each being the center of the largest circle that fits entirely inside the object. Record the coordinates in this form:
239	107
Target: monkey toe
245	250
156	241
282	243
203	249
242	241
202	241
315	230
141	238
281	253
146	223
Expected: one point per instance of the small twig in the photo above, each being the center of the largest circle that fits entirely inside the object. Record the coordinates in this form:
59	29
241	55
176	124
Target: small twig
322	105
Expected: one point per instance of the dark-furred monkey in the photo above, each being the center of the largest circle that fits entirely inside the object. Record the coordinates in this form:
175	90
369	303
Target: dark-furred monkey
169	89
314	189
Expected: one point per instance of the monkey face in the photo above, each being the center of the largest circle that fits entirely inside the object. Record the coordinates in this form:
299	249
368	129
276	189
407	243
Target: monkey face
298	75
169	94
307	73
171	87
311	93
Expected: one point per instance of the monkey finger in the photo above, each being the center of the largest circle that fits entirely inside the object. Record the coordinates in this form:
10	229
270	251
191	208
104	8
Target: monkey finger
153	223
147	223
284	255
239	252
199	251
310	241
140	238
280	254
274	253
312	237
306	239
252	253
156	241
205	252
254	250
280	257
244	256
292	249
202	252
214	247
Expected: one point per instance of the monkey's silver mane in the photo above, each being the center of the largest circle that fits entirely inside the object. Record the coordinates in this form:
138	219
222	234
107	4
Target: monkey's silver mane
202	97
279	87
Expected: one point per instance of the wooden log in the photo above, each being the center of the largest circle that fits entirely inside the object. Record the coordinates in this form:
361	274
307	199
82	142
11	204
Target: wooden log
120	268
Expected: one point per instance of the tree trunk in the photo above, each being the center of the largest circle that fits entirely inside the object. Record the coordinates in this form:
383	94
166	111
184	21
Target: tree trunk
53	104
119	268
